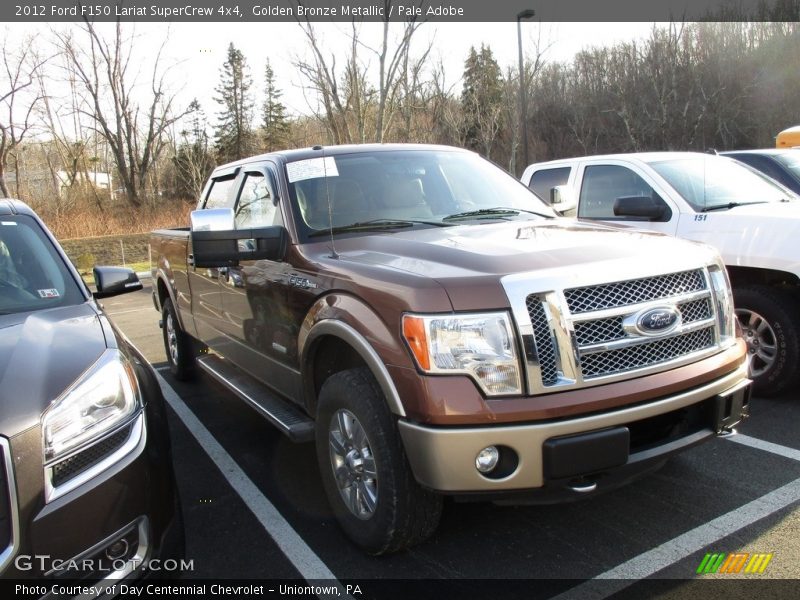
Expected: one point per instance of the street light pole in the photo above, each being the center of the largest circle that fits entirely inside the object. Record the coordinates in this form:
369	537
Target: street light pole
523	102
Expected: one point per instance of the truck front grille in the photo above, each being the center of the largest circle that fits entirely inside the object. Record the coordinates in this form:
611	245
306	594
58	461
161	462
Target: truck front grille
625	293
600	331
593	334
542	340
644	355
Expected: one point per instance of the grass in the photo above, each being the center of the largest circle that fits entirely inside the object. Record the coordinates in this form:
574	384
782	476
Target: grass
117	235
114	250
138	267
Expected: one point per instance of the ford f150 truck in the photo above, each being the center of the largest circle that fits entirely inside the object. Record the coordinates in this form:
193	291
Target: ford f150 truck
753	222
439	331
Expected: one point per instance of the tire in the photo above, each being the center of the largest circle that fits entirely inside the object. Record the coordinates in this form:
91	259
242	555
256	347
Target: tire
178	345
356	432
769	319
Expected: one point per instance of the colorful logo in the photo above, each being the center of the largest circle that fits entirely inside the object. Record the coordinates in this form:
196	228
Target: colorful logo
735	562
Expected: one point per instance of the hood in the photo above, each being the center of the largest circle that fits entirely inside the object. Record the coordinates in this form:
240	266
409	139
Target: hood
469	261
755	235
41	354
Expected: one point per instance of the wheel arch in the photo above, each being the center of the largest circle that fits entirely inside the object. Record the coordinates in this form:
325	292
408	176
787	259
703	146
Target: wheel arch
741	276
332	346
165	291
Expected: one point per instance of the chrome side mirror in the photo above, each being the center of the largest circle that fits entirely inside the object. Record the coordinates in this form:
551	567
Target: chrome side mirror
213	219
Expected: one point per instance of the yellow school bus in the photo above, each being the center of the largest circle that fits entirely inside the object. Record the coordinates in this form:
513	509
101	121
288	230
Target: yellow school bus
788	138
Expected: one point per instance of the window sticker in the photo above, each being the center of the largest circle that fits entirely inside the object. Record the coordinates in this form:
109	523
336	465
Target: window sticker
8	223
311	168
51	293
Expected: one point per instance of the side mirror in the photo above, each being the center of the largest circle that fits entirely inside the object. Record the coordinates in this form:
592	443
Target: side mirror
112	281
641	207
213	219
211	248
560	199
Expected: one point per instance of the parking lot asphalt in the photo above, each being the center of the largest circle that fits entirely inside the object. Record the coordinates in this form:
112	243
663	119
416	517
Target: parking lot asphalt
255	509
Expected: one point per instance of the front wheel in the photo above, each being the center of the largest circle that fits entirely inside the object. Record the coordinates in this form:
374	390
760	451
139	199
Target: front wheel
769	319
366	475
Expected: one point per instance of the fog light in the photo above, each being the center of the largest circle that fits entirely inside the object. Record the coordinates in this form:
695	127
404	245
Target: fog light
117	550
487	459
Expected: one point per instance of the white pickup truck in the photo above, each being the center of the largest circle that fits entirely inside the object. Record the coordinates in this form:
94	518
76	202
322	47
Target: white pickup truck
752	221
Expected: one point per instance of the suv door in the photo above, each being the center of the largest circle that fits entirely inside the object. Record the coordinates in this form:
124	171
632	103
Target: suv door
609	191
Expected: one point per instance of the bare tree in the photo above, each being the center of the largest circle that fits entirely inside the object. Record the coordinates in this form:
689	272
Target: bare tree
16	112
69	147
135	133
322	79
348	99
390	70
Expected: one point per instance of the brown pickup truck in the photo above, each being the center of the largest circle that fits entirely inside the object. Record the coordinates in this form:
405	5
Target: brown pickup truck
437	330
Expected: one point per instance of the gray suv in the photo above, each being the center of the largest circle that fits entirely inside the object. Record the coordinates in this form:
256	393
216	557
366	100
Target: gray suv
87	489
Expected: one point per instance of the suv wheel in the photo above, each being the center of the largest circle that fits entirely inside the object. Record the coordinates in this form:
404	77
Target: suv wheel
364	470
178	345
767	316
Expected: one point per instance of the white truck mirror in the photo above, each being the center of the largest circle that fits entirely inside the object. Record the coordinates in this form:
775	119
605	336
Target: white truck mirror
560	199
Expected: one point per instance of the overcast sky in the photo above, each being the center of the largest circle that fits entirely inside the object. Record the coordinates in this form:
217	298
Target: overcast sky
199	49
204	46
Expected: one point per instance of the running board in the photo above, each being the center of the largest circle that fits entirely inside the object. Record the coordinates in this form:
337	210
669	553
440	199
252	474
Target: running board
291	421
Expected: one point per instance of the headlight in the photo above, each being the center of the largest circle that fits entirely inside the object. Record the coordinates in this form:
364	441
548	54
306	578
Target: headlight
105	396
723	298
479	345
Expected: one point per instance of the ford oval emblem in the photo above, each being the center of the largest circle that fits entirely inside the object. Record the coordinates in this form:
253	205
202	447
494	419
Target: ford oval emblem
658	321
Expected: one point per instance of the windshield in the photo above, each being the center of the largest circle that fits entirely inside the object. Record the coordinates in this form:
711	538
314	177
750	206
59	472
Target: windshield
32	274
790	160
404	188
707	182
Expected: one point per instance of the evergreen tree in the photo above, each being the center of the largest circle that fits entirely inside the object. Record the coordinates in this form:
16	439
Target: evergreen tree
193	160
234	137
482	100
275	124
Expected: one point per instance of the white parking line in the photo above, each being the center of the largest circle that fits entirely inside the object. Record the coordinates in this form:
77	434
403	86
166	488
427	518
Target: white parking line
752	442
676	549
307	563
114	313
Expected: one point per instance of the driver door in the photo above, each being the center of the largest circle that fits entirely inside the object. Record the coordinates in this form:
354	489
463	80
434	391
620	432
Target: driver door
605	186
254	293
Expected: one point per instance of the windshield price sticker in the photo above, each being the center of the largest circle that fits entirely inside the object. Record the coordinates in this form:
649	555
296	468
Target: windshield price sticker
311	168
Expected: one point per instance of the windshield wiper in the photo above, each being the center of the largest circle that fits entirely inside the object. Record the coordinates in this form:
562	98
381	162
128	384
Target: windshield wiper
728	206
377	225
496	211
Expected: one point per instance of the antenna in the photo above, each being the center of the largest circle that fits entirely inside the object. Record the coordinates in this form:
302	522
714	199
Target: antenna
334	254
